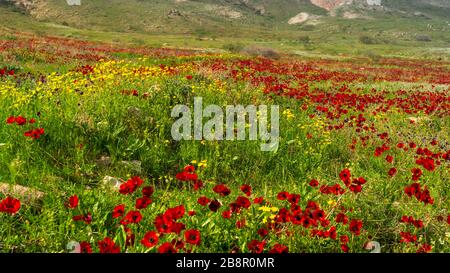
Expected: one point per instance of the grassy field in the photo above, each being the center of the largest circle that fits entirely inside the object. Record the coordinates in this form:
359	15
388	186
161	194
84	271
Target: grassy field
88	162
363	154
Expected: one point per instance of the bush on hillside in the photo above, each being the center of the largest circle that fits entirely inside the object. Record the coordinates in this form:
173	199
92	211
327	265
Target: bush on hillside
367	40
423	38
261	51
233	47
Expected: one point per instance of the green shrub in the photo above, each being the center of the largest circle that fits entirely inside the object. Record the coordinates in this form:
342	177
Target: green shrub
423	38
367	40
261	51
233	47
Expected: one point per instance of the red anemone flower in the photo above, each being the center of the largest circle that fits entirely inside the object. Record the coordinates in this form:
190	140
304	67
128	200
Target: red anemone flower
143	202
150	239
246	189
222	189
85	247
10	205
166	248
214	205
355	226
148	191
107	245
118	211
203	201
279	249
132	217
282	195
314	183
256	246
192	237
20	120
72	202
10	120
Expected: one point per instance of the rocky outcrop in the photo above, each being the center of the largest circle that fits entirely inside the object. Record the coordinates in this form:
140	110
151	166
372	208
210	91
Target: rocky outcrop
36	8
350	9
334	4
304	17
299	18
27	196
330	4
174	13
23	4
374	2
110	182
73	2
223	11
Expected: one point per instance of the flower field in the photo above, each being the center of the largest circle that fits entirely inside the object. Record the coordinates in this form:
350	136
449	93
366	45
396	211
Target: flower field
363	157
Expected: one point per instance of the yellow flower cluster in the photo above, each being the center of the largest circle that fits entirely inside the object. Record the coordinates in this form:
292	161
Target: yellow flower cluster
318	129
288	114
268	209
215	86
201	164
268	213
104	76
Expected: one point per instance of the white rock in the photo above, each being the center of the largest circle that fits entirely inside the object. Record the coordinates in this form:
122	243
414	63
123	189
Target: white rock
134	165
299	18
374	2
73	2
111	182
73	247
26	195
374	246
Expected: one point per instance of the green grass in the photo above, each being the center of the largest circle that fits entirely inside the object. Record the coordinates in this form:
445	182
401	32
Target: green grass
90	118
103	122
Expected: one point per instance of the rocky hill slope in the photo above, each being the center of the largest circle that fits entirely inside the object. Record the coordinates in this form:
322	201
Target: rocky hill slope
201	17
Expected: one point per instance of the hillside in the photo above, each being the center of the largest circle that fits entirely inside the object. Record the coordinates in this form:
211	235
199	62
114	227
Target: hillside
222	16
162	16
341	26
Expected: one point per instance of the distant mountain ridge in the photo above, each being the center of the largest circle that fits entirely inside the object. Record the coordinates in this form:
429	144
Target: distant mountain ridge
397	4
260	7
